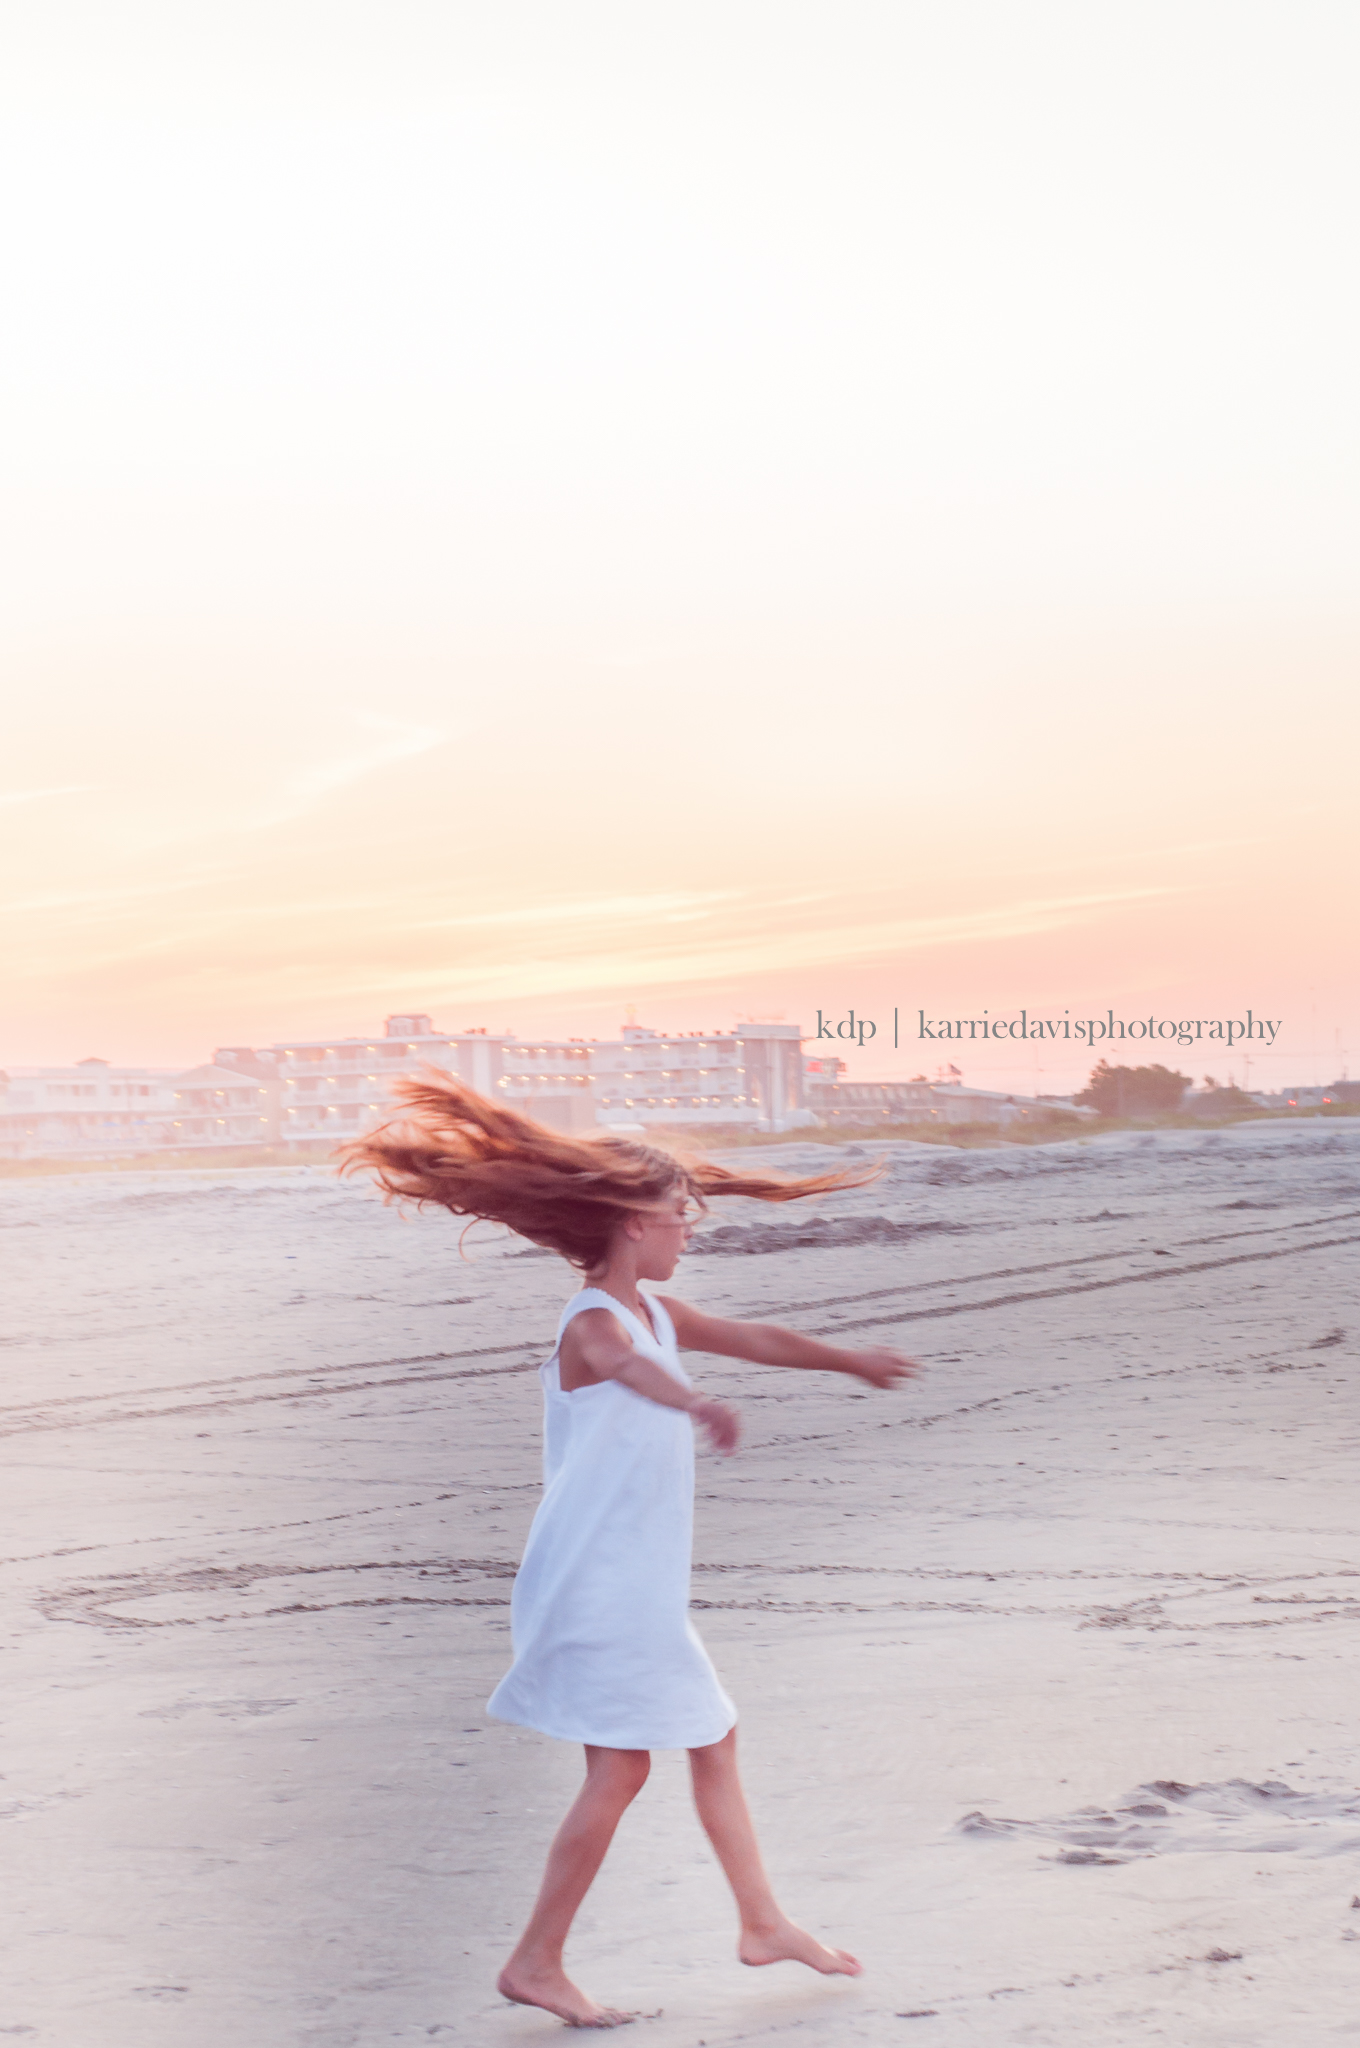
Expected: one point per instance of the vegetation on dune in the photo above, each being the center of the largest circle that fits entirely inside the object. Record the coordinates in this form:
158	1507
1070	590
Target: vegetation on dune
1229	1101
1133	1091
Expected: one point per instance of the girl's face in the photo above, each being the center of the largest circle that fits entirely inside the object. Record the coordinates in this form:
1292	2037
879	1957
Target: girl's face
664	1232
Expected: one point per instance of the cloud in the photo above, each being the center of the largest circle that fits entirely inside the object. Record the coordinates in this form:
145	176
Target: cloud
392	741
671	907
32	796
744	950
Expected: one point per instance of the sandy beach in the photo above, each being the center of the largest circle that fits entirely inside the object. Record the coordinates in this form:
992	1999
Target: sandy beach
1047	1665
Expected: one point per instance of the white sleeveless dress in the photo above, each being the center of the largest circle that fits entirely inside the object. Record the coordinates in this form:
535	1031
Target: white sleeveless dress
604	1648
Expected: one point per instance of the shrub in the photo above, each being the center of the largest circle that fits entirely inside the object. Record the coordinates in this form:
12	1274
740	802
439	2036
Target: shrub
1133	1091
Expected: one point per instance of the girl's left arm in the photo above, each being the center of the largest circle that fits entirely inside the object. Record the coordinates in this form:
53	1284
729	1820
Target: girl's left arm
772	1344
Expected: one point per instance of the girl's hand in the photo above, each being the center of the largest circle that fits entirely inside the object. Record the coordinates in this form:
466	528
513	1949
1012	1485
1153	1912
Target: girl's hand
721	1421
882	1368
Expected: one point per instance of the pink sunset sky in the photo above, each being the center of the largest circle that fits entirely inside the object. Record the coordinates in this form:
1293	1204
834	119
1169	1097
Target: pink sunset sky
520	512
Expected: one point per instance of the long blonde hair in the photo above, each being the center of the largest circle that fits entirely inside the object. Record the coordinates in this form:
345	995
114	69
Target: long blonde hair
455	1148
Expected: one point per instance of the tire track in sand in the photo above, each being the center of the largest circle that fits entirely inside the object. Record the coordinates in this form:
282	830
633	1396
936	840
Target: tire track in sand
28	1422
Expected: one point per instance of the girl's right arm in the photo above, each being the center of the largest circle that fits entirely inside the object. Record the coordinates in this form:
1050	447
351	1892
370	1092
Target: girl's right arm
596	1341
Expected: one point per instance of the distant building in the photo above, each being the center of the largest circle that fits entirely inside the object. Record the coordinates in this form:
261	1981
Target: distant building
96	1111
309	1094
1310	1097
91	1110
552	1080
752	1075
219	1105
919	1101
868	1102
335	1088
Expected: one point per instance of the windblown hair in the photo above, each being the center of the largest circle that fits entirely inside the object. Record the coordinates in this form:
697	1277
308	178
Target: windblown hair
477	1158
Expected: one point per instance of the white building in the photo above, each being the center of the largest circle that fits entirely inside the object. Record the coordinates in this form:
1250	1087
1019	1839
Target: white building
89	1111
311	1093
217	1105
751	1075
333	1088
553	1080
336	1088
96	1111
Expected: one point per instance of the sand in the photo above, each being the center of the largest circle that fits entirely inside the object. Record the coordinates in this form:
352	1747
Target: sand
1047	1665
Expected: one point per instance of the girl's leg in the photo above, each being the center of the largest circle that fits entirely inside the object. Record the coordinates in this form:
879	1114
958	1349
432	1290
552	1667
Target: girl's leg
534	1973
767	1935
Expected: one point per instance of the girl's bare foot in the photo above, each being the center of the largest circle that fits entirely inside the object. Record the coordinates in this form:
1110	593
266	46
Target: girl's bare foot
553	1989
785	1943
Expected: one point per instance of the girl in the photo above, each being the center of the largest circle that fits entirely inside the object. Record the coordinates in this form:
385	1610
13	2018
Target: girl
604	1650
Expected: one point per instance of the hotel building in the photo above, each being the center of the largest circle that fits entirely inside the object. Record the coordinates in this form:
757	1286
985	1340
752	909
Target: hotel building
96	1111
752	1075
335	1088
309	1093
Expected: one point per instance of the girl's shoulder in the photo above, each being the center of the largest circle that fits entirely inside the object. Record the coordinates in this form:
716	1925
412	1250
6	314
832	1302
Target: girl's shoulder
585	1299
595	1304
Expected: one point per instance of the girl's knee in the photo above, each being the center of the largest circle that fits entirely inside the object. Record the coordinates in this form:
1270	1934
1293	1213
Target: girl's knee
637	1771
625	1770
714	1754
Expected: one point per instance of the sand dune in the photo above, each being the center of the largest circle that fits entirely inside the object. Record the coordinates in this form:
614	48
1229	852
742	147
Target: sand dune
1047	1666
